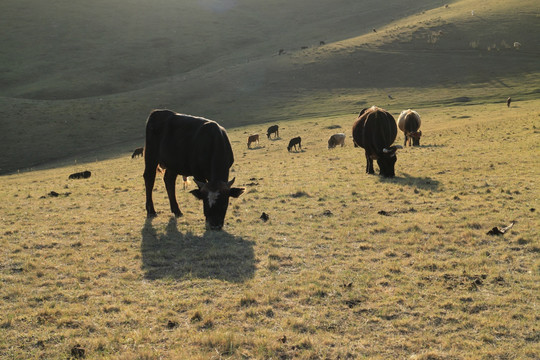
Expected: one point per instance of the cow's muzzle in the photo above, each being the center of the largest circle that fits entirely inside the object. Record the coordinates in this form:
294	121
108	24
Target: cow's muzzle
213	227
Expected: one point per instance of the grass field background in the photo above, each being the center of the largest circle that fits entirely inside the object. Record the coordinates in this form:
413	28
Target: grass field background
348	265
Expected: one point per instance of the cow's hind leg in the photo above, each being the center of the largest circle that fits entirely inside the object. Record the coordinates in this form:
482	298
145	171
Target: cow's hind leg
170	183
369	164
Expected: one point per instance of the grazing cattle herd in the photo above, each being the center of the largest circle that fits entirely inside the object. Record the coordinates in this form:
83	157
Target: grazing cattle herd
185	145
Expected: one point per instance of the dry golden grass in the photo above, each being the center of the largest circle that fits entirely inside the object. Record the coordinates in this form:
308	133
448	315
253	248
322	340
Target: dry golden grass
347	266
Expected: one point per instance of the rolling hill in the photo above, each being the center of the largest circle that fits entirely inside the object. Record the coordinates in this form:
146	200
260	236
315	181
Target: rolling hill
77	80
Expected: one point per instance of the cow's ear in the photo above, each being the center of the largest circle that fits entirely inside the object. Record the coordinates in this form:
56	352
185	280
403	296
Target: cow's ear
236	192
197	193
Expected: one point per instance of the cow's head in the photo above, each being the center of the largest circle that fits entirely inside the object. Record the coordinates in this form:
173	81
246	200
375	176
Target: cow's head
387	160
331	143
215	196
416	137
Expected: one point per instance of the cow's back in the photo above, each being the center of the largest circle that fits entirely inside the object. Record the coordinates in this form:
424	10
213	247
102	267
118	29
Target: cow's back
374	130
188	145
409	121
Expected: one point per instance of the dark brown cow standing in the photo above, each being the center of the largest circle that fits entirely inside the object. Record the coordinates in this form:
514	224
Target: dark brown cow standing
375	130
137	152
295	141
190	146
274	129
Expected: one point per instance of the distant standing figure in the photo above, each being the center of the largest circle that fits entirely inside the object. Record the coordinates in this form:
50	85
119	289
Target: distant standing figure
137	152
508	101
251	139
295	141
274	129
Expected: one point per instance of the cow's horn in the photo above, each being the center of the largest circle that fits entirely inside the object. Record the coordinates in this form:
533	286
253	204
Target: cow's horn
200	184
397	147
230	183
386	150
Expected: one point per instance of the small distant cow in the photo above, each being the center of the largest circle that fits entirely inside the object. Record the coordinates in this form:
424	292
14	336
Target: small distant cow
274	129
295	141
81	175
508	101
335	140
409	122
251	139
137	152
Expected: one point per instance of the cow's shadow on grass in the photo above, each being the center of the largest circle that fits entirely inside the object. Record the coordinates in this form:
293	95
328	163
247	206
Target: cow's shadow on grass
425	183
215	255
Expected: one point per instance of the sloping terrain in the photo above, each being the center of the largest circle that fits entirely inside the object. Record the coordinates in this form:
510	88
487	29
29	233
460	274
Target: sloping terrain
79	78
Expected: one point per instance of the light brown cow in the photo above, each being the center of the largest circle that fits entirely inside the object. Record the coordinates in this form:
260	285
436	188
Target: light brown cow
251	139
409	122
335	140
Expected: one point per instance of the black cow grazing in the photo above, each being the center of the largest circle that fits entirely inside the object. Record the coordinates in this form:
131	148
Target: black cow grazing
295	141
274	129
409	122
81	175
137	152
190	146
375	130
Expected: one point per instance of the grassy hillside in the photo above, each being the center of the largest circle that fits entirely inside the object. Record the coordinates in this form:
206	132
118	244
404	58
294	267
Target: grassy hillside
349	265
78	79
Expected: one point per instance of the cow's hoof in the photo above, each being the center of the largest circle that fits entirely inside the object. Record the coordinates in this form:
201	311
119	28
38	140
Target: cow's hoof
151	215
178	214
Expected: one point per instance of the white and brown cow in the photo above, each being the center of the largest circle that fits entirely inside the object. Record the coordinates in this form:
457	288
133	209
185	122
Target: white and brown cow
409	122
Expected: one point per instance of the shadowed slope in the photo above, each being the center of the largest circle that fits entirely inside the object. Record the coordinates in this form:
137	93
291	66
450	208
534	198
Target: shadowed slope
83	80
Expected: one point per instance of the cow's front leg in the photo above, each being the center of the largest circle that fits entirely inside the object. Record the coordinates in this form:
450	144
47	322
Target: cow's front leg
170	183
149	179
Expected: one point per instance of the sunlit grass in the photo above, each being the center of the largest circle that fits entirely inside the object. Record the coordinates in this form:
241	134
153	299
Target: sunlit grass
347	265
